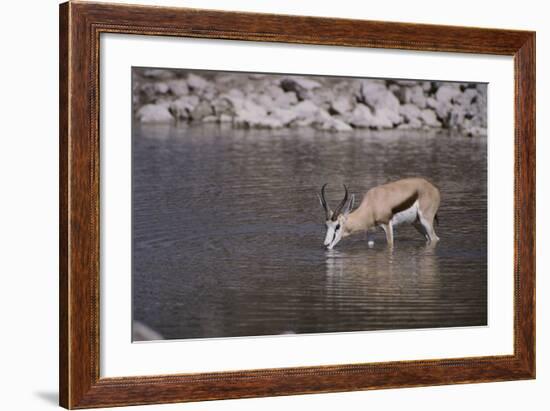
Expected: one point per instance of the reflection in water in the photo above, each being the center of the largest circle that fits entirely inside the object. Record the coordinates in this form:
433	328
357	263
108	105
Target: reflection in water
228	233
391	286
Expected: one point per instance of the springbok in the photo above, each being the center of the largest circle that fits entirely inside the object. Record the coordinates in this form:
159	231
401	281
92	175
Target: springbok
410	200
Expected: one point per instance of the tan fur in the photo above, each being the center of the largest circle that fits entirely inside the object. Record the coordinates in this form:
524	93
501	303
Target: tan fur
381	203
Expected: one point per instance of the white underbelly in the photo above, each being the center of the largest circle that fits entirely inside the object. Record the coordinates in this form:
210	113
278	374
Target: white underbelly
406	216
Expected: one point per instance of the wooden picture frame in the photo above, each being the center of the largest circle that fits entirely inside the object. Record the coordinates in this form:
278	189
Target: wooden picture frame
80	27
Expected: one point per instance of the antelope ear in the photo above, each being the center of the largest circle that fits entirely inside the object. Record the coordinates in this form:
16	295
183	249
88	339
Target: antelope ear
350	205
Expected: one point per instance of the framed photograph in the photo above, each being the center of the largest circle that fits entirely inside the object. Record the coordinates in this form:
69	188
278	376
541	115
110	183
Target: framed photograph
258	205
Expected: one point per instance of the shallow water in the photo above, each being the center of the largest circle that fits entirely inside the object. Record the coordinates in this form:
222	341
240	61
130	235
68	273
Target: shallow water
228	233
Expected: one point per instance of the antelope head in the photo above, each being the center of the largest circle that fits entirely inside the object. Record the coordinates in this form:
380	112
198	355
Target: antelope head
335	220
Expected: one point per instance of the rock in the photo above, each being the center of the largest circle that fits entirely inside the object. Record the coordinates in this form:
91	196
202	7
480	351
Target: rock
442	110
431	102
408	126
380	121
235	93
148	92
407	83
208	93
290	83
256	76
475	131
412	95
178	87
324	121
201	110
336	104
285	116
249	108
410	113
429	118
324	97
274	91
395	88
302	122
334	124
303	87
361	117
426	86
210	119
384	116
222	105
161	88
456	117
377	96
159	74
265	101
252	115
196	82
446	93
153	113
305	109
225	118
184	106
285	100
341	105
467	97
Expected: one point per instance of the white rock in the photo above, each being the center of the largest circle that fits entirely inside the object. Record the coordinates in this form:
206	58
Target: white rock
431	102
225	118
386	118
222	105
408	83
235	93
285	100
429	118
210	119
341	105
183	106
178	87
201	110
376	95
333	124
197	82
467	97
410	112
446	93
303	87
274	91
412	95
159	74
265	101
285	116
475	131
252	115
361	117
153	113
302	82
305	108
161	88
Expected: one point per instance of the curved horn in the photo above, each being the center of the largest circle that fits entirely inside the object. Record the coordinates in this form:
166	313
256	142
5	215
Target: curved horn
323	201
341	205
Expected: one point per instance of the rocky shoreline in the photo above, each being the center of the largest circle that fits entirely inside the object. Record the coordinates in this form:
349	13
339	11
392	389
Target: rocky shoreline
337	104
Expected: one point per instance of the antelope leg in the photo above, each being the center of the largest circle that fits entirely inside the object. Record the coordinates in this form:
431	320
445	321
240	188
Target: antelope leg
388	229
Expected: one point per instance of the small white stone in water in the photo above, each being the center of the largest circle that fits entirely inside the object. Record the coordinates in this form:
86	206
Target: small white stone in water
371	243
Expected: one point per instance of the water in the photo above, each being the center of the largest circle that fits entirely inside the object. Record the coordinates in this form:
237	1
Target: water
228	233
